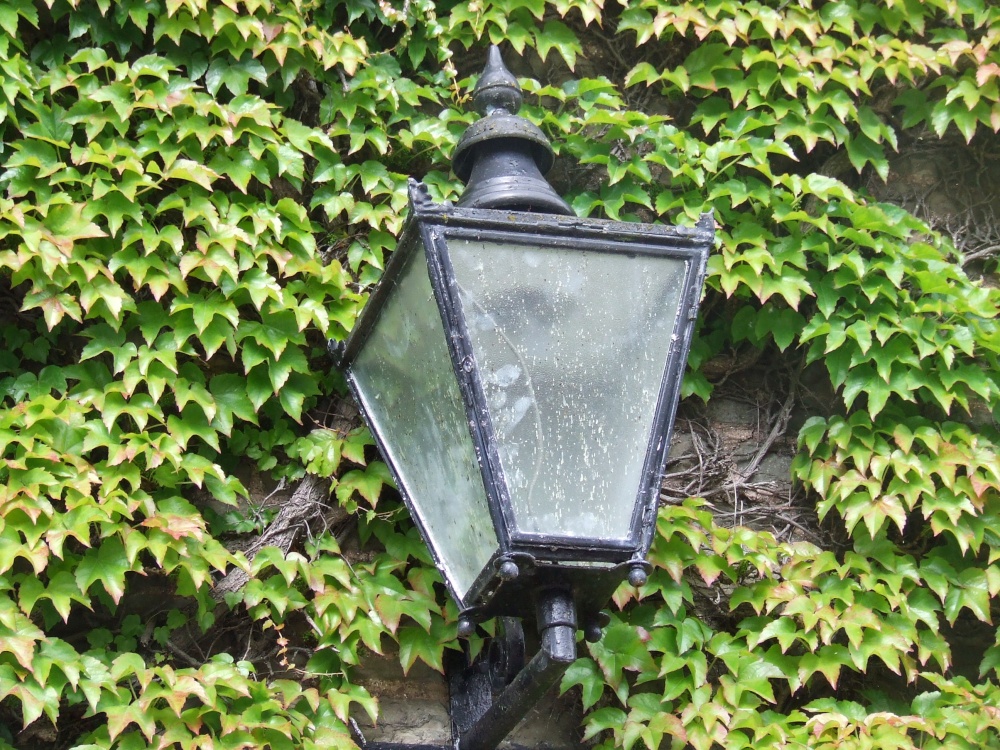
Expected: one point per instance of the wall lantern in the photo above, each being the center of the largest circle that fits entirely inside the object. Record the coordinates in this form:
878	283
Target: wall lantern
520	368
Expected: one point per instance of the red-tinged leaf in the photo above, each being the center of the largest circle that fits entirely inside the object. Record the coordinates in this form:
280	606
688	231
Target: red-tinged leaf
981	486
178	527
604	719
271	30
62	590
392	607
120	717
55	305
986	72
192	171
710	567
342	699
368	483
19	639
37	699
828	661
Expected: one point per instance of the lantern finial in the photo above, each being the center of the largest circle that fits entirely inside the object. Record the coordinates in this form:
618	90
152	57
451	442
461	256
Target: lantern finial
497	88
502	157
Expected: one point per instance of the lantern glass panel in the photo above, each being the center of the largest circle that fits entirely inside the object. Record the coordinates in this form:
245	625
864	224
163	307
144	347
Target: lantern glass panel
571	347
407	385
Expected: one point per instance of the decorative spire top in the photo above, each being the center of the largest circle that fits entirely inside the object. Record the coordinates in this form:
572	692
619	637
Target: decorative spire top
502	158
497	88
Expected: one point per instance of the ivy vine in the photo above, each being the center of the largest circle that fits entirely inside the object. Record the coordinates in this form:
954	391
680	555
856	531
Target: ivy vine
195	195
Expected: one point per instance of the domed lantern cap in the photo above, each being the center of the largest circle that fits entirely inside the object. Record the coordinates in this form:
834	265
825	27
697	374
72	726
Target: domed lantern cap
503	157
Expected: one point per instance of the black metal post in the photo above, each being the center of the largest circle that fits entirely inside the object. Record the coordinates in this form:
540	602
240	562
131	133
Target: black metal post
557	628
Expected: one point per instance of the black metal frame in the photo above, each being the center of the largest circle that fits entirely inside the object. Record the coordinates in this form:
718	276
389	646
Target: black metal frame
540	559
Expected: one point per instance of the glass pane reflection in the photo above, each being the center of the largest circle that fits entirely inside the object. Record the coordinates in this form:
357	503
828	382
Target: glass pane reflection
572	347
405	379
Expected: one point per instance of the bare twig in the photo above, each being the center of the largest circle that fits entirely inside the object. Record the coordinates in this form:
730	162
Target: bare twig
182	655
724	461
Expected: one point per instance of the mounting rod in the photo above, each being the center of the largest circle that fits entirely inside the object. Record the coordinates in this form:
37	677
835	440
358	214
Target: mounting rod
557	628
481	719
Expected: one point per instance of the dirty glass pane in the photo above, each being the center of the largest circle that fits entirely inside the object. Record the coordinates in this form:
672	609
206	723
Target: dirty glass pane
572	347
405	378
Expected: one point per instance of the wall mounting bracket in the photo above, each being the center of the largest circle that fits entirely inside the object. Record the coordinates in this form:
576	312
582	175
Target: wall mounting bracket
491	694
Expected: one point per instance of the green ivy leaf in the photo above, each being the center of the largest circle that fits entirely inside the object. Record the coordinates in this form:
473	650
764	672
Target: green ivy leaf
106	564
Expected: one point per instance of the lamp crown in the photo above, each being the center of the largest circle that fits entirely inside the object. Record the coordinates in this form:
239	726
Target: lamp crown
503	157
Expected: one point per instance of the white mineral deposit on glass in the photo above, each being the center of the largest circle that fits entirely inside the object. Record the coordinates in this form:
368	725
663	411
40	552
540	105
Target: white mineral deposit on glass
505	376
568	351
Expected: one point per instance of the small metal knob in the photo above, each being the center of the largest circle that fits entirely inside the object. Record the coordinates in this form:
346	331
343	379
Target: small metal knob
593	632
508	571
637	576
594	627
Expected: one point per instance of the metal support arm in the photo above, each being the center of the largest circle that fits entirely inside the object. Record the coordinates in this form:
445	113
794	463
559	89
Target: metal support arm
481	718
557	628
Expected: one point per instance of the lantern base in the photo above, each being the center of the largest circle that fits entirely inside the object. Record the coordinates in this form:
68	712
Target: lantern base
591	588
